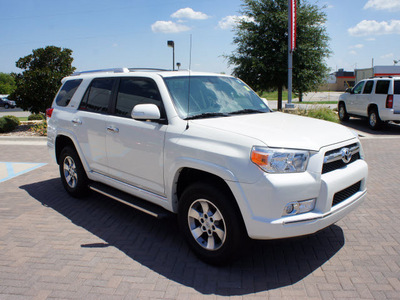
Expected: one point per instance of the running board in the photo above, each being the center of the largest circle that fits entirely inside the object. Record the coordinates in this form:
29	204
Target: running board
132	201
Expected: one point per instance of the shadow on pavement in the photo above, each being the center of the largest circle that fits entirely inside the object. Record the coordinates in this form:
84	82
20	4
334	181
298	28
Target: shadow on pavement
158	245
388	129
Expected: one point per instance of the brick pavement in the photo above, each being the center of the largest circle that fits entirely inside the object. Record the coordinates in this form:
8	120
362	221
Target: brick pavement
55	246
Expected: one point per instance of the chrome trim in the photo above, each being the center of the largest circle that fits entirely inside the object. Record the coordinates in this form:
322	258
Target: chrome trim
338	154
125	202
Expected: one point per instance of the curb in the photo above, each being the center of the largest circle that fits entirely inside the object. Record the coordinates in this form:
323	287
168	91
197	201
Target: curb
23	140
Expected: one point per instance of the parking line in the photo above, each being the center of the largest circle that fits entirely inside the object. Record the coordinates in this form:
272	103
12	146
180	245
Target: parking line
10	170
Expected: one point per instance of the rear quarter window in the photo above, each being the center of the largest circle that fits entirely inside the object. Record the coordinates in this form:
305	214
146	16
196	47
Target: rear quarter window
67	92
396	88
382	86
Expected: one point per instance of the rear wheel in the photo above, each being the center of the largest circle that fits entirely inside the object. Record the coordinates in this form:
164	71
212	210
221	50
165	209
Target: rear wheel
72	173
343	116
6	106
374	121
210	223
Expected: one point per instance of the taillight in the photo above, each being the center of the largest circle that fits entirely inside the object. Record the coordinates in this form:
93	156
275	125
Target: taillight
389	101
49	112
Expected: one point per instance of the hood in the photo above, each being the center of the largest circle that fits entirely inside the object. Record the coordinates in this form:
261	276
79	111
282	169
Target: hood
281	130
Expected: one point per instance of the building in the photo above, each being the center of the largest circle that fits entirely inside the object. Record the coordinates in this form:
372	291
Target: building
377	71
339	81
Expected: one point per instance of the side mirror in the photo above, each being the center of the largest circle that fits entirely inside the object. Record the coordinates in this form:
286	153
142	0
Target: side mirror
349	90
146	112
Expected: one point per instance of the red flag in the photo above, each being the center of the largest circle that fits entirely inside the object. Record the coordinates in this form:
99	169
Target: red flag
293	25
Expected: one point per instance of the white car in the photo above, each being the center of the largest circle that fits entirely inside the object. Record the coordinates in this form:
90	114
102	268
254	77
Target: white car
377	99
207	148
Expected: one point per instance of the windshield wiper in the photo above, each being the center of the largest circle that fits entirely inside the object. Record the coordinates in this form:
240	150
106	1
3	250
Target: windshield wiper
246	111
206	115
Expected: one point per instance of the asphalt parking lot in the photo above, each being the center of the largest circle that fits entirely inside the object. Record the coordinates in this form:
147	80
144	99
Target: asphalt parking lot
55	246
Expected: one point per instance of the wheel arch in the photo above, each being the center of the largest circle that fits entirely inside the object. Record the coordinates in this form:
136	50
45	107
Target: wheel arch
61	142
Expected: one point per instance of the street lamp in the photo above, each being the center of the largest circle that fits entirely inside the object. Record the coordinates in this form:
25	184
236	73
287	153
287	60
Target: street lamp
172	45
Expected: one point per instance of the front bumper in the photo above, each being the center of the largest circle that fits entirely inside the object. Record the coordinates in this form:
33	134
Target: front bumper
262	203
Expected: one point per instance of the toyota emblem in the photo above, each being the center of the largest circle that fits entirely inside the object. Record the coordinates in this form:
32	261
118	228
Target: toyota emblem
346	155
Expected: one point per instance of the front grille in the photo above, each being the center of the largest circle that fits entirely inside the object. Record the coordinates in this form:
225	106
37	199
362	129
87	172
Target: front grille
346	193
333	159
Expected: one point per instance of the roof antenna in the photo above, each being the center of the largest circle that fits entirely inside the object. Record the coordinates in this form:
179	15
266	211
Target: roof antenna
190	67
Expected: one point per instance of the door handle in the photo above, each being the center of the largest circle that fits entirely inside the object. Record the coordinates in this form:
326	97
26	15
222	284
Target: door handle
112	129
76	121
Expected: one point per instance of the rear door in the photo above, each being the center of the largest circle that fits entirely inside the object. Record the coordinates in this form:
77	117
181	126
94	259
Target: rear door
396	96
90	123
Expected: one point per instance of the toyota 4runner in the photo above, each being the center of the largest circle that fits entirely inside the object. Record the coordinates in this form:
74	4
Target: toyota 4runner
207	148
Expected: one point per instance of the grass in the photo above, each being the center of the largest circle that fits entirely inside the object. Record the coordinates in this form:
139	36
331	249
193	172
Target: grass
323	113
23	118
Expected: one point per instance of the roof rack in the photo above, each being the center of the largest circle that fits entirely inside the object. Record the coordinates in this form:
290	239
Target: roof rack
116	70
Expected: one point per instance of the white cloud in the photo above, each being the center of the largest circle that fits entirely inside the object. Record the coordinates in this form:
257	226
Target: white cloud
168	27
383	4
352	52
372	27
231	21
188	13
358	46
371	39
389	55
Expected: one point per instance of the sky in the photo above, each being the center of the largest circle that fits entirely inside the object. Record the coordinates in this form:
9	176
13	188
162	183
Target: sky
134	33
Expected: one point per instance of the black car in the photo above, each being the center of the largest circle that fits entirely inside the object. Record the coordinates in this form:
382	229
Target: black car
7	103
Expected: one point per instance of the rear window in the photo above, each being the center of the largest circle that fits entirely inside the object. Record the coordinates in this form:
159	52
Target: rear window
397	87
382	87
368	87
67	92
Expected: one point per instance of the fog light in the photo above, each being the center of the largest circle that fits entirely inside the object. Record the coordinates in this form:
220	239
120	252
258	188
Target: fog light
300	207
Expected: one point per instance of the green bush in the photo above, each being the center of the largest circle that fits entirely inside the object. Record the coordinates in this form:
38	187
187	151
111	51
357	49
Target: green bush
36	117
323	113
8	124
13	119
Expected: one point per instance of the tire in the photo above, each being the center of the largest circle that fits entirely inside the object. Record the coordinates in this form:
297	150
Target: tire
343	116
374	121
6	106
210	223
72	173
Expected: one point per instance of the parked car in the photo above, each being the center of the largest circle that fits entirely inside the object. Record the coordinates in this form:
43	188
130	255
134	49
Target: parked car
205	147
377	99
4	102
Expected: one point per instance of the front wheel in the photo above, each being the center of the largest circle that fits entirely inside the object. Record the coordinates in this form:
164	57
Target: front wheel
72	173
210	223
6	106
343	116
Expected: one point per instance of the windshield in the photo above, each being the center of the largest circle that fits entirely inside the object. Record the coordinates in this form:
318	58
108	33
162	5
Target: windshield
212	96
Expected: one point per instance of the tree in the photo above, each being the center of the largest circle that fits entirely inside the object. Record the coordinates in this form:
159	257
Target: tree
41	78
7	83
261	56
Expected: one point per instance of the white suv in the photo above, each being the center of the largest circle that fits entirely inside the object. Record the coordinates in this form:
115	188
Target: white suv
378	99
207	148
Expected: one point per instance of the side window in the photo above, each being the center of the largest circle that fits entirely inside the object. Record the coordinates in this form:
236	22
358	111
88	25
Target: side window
368	87
358	88
396	88
133	91
382	86
67	92
98	95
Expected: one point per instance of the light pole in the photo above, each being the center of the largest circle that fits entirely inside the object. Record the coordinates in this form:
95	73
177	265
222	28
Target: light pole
172	45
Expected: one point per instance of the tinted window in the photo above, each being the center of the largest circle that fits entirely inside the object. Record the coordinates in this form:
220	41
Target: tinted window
98	95
67	91
133	91
382	86
368	87
397	87
358	88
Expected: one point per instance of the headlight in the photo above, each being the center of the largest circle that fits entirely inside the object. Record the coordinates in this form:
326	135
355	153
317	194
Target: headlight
280	160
